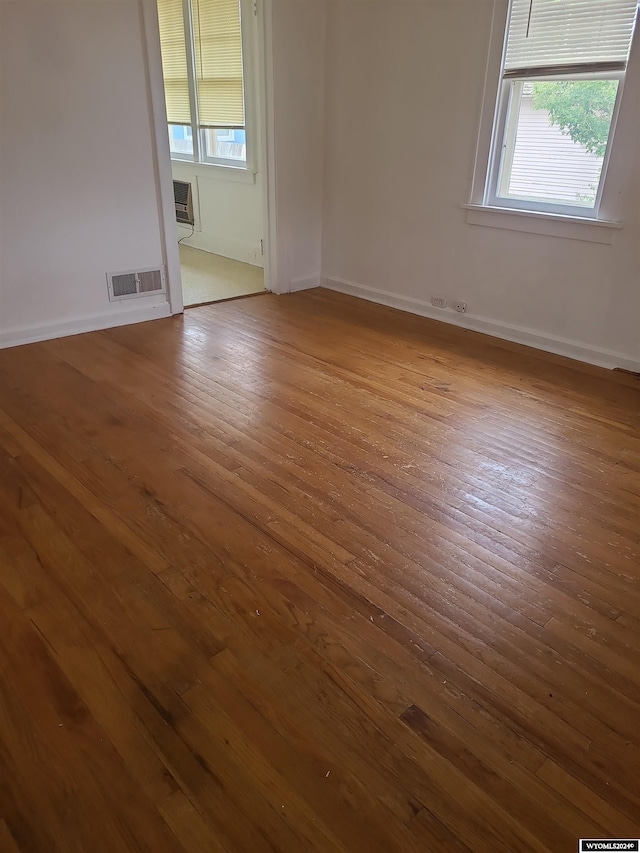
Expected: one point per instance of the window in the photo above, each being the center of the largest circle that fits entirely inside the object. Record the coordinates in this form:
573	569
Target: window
562	74
202	62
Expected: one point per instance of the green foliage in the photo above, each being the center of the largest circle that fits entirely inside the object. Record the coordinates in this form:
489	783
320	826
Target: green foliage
580	108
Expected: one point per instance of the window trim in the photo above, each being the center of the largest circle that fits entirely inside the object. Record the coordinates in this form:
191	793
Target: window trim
620	146
544	224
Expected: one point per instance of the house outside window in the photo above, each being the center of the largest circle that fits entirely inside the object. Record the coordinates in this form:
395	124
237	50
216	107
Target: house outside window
203	67
563	71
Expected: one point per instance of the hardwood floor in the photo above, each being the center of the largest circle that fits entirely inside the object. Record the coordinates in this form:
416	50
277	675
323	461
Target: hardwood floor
304	573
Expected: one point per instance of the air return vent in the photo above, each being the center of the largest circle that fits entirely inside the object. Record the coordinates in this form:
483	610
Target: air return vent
127	285
183	198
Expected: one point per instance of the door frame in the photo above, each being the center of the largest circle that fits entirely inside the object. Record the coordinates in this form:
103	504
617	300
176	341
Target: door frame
262	62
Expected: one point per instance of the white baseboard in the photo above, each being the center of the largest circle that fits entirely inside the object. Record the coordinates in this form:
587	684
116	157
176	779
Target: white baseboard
297	284
505	331
237	250
29	335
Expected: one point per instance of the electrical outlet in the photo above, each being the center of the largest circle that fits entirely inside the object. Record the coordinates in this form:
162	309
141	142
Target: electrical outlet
438	302
460	306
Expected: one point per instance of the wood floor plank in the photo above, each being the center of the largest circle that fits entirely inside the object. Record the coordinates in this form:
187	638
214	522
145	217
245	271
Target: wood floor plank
610	819
306	573
54	746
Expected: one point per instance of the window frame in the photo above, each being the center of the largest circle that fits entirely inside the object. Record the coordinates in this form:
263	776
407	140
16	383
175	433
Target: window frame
234	162
199	156
506	99
485	204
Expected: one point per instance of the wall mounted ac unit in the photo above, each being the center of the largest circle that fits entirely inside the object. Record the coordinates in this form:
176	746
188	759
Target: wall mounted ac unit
127	285
183	198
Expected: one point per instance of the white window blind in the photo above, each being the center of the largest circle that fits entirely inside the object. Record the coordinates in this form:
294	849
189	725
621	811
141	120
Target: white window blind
174	61
564	36
218	57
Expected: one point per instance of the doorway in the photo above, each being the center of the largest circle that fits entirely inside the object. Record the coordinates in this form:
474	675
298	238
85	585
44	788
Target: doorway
210	54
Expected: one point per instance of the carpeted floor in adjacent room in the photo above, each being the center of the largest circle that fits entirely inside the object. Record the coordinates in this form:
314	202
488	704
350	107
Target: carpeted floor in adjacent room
209	278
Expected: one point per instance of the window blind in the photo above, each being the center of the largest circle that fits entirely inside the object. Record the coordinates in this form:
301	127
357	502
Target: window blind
218	57
174	61
564	36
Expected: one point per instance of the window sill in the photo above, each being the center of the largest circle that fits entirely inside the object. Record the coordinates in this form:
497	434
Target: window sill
216	171
546	224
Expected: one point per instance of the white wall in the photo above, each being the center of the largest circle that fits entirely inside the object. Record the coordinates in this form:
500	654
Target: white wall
79	195
298	116
228	212
404	88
